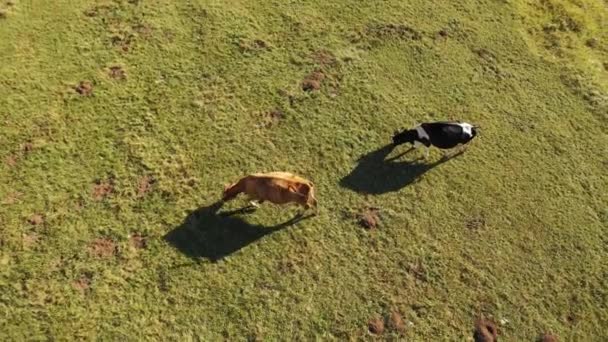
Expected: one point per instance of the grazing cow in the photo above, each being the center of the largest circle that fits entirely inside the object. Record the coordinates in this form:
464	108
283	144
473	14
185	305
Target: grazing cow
441	134
275	187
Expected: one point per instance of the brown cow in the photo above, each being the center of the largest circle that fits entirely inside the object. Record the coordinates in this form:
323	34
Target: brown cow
275	187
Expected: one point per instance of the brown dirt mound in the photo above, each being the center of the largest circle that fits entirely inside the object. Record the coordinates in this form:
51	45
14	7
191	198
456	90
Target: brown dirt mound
27	147
103	248
143	30
396	322
84	88
398	31
11	160
36	220
138	241
272	117
376	326
12	198
313	81
368	218
485	331
145	185
117	72
102	189
476	222
548	338
30	239
324	58
83	283
418	270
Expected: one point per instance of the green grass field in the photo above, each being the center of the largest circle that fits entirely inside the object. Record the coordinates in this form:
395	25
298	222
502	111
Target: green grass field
120	118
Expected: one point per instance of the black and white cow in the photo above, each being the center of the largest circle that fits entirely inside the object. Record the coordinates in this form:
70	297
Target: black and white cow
441	134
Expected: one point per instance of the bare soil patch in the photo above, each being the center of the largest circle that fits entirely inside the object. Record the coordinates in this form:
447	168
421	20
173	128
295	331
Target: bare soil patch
83	284
103	189
376	326
272	118
138	241
11	160
12	197
30	239
27	147
143	30
117	72
145	185
476	222
313	81
324	58
485	331
418	270
393	31
103	248
84	88
396	322
368	218
548	338
36	219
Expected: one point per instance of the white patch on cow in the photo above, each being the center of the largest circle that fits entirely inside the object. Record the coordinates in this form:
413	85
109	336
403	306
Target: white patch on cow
466	128
422	134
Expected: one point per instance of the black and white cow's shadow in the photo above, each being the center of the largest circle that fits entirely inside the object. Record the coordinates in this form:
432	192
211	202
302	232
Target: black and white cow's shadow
209	234
376	174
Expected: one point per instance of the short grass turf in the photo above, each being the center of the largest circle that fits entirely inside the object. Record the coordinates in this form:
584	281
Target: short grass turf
120	119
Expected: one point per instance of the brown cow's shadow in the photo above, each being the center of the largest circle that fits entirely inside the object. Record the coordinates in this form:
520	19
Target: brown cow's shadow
208	233
375	174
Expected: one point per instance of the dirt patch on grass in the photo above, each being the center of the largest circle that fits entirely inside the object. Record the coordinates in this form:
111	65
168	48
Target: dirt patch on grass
376	326
272	118
418	270
138	241
386	31
476	222
124	41
84	88
83	284
485	331
117	72
253	46
548	338
102	189
313	81
12	197
24	149
30	239
489	63
103	248
324	58
396	323
27	147
453	29
11	160
143	30
368	218
145	185
98	10
36	220
583	87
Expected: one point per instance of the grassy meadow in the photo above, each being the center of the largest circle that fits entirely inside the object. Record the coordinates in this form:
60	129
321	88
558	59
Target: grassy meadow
121	119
